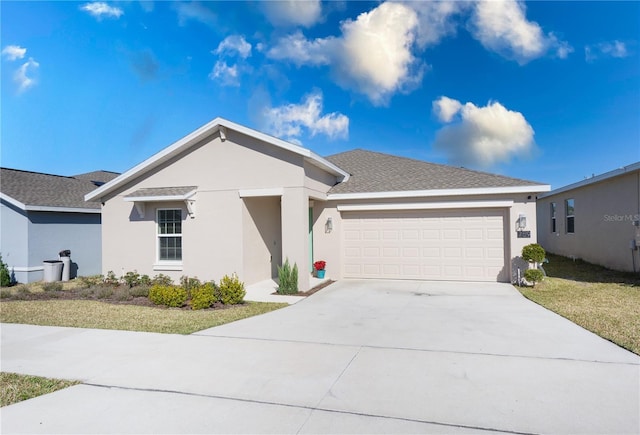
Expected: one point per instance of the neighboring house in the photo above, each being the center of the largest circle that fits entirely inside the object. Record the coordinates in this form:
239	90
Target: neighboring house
226	199
597	219
42	214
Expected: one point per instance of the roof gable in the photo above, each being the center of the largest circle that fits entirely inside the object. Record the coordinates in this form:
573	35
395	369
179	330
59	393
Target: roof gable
595	179
217	126
377	172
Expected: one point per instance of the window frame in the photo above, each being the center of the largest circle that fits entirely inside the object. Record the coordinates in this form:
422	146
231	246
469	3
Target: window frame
554	221
168	264
570	228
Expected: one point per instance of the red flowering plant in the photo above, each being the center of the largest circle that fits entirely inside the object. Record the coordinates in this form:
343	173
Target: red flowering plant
320	265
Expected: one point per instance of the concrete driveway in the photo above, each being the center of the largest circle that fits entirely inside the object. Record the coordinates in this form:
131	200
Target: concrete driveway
357	357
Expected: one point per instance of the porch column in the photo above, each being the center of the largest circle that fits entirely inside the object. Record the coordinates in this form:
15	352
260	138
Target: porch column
295	232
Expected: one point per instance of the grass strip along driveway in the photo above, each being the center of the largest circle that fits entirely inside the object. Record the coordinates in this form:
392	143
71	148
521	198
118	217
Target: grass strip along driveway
100	315
603	301
16	388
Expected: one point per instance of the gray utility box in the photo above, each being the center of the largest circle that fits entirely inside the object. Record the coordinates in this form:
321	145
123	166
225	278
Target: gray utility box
52	270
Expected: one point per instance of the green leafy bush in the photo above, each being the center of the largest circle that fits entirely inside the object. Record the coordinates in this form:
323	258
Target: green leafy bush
111	279
189	283
161	280
139	291
5	276
132	279
533	253
91	281
533	276
168	295
204	296
145	280
287	278
231	290
52	286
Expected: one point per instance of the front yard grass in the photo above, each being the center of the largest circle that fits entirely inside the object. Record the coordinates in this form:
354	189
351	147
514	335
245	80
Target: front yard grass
101	315
16	388
603	301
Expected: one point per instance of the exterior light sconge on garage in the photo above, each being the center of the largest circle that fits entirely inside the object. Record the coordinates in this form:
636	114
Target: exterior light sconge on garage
521	223
328	226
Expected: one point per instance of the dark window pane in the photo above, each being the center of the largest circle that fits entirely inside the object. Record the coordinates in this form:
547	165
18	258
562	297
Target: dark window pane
570	224
171	248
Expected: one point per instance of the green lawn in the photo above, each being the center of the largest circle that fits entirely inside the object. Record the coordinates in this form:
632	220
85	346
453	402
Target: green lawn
16	388
603	301
101	315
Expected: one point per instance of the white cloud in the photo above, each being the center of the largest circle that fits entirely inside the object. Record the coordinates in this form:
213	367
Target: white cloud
234	44
435	19
446	108
21	75
484	135
301	51
227	75
606	49
101	9
501	26
293	12
288	121
194	11
373	55
14	52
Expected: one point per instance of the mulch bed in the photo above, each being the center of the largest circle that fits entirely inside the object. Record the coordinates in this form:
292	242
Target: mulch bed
311	291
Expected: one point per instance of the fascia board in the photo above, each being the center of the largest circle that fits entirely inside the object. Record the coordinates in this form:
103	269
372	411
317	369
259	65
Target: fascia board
63	209
425	205
255	193
441	192
13	201
596	179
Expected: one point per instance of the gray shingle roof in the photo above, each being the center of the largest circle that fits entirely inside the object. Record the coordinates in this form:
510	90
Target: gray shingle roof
161	191
97	177
45	190
377	172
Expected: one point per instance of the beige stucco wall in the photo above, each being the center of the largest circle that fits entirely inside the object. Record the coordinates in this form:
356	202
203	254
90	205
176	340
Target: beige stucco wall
228	234
328	246
604	215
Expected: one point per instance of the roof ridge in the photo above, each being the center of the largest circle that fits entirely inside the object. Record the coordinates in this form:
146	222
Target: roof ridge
40	173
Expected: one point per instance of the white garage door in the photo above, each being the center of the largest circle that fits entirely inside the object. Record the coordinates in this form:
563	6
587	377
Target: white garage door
463	245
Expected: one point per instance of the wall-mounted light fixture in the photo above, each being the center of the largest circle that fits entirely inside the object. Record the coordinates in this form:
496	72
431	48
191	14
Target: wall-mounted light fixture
521	223
328	226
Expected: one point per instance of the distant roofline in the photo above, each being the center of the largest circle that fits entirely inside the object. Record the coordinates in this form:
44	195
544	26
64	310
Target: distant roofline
24	207
598	178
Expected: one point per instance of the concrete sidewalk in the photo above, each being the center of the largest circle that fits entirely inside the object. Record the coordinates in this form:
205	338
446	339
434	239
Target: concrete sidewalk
357	357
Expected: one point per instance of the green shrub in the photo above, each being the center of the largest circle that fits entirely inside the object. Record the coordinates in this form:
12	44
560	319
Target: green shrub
103	291
122	294
5	276
533	253
204	296
91	281
231	290
52	286
533	276
132	279
162	280
287	278
145	281
168	295
141	291
111	279
189	283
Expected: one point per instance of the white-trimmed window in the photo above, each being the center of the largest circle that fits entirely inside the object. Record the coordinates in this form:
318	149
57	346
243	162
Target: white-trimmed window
169	235
569	207
553	217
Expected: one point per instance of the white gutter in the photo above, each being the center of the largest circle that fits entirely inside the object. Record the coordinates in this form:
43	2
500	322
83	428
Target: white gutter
426	205
441	192
596	179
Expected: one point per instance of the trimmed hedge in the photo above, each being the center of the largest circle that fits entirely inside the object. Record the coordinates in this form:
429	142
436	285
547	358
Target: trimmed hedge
231	290
168	295
203	296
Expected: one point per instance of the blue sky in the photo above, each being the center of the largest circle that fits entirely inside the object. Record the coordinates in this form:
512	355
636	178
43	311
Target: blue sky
546	91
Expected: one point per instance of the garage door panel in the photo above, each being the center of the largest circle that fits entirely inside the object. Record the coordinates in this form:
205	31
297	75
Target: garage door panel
442	245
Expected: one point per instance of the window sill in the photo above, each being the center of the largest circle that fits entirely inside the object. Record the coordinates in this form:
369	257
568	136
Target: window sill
168	266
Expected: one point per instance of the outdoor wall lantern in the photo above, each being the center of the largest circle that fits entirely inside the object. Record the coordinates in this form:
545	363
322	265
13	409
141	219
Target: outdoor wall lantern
521	223
328	226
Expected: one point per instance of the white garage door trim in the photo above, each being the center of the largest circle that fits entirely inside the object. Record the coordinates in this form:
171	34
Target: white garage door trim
450	244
